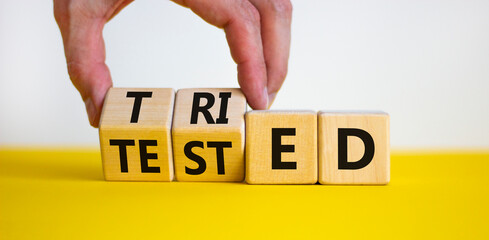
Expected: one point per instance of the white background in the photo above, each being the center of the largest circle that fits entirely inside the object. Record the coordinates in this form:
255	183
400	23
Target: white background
425	62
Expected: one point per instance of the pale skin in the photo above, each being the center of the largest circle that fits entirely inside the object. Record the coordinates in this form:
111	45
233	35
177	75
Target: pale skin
257	32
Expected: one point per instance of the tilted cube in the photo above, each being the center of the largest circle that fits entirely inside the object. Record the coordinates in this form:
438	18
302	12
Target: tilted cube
135	138
208	134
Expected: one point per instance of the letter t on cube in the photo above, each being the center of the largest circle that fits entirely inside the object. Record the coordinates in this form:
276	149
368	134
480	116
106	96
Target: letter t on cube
134	131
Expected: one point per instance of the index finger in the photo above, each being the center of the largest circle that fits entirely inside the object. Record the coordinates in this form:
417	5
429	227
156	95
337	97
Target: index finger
241	22
276	17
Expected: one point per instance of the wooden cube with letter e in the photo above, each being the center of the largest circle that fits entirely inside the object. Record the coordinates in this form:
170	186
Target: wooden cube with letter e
208	134
354	148
281	147
135	138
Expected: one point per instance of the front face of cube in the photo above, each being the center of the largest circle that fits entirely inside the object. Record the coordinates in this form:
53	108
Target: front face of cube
208	135
135	135
281	147
136	155
354	148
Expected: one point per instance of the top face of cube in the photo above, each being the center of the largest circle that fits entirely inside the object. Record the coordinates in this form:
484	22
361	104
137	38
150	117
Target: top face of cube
209	108
352	113
138	108
269	113
356	118
280	118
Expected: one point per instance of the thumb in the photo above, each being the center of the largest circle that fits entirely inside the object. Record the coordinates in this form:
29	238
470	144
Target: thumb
92	81
85	56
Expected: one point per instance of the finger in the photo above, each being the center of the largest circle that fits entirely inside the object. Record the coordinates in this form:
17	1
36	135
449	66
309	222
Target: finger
276	16
117	8
241	22
85	57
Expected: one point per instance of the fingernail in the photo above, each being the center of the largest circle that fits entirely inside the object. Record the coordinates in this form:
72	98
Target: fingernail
265	95
271	98
91	110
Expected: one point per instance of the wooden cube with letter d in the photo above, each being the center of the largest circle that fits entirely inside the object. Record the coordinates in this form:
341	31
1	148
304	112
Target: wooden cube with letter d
134	131
354	148
281	147
208	134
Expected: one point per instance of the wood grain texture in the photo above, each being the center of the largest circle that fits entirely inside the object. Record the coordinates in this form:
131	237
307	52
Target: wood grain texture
376	124
153	124
203	132
259	125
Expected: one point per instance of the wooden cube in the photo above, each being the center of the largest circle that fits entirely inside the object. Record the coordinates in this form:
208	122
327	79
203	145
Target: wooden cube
354	148
281	147
208	134
134	131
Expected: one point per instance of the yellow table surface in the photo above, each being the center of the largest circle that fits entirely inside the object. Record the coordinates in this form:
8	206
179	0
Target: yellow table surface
61	194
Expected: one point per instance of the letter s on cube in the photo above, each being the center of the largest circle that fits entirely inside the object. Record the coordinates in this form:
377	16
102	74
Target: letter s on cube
208	134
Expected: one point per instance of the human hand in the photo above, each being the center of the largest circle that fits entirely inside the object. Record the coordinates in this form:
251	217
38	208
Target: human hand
257	31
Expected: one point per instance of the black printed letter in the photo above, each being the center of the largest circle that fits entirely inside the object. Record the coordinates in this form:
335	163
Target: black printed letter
224	96
138	98
278	148
196	158
144	155
196	108
343	134
122	150
220	153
